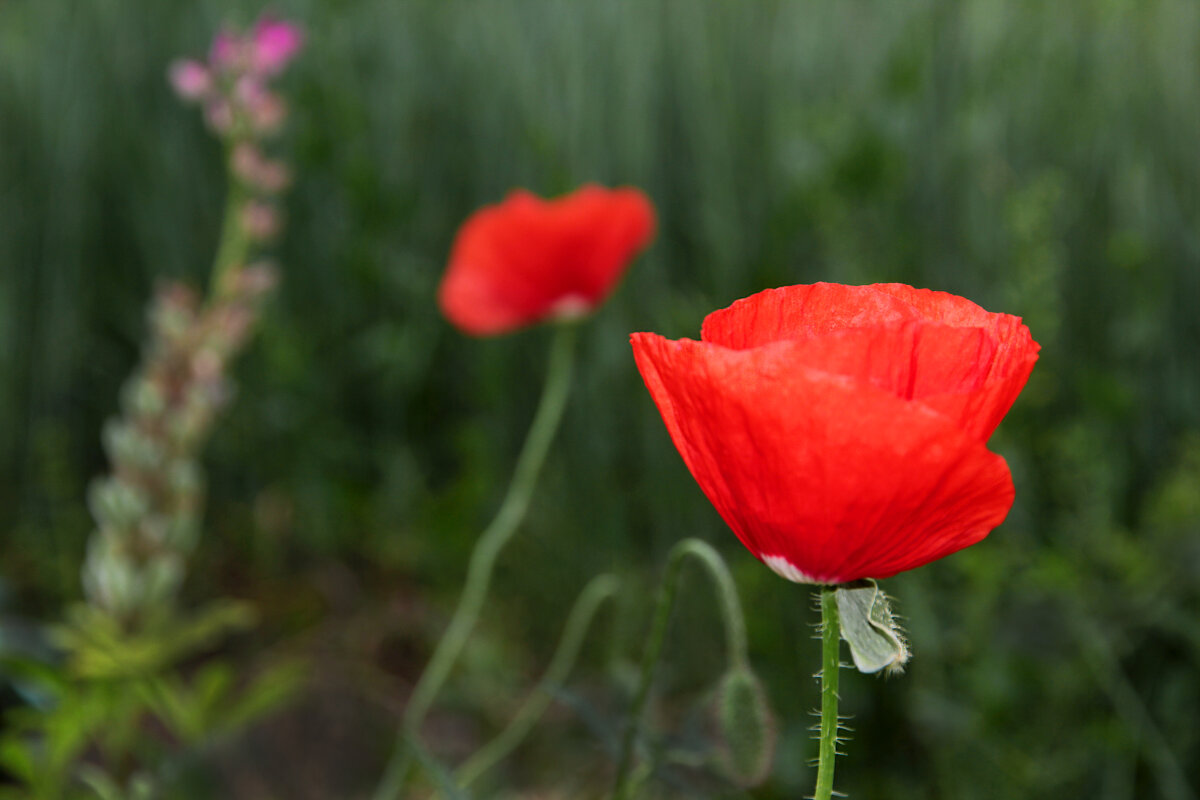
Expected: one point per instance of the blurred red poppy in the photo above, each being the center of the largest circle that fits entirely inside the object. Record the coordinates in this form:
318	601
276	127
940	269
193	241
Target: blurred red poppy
526	259
841	431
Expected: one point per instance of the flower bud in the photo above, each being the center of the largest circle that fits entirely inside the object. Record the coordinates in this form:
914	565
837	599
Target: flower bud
273	177
260	221
274	43
186	480
257	279
230	326
228	51
113	502
257	172
248	91
109	579
173	312
244	161
267	114
264	109
218	113
191	80
127	445
746	728
143	397
190	421
207	365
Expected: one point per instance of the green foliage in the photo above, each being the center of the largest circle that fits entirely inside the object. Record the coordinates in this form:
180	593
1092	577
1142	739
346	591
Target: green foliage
89	721
876	642
1038	158
100	647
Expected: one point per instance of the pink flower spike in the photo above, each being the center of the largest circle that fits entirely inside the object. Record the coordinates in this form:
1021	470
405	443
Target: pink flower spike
190	79
275	44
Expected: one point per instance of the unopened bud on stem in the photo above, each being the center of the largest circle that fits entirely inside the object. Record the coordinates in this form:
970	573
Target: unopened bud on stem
746	727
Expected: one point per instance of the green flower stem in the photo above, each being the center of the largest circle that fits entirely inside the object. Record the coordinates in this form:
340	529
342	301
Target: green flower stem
234	246
830	664
735	638
590	599
483	558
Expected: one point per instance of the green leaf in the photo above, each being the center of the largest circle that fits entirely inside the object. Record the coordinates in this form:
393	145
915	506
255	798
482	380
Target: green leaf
16	758
104	787
99	648
876	641
269	691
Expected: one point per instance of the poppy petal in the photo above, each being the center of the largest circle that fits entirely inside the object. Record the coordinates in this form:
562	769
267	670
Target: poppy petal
527	259
825	477
976	384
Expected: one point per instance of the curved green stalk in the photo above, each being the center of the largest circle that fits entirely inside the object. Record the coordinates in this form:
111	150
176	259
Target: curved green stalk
735	638
234	246
590	599
830	663
483	558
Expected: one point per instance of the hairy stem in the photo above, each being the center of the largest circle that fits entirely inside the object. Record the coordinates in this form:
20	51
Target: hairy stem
830	663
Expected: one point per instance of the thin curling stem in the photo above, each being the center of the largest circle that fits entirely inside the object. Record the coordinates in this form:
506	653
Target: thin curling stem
830	663
483	558
598	590
735	638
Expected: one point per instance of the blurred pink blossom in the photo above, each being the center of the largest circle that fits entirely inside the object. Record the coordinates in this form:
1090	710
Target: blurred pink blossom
190	79
260	220
234	85
225	53
273	176
267	116
245	160
249	91
264	109
258	278
252	168
276	42
219	114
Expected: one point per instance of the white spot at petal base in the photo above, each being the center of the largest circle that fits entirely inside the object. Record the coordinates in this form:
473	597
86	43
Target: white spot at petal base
789	571
571	307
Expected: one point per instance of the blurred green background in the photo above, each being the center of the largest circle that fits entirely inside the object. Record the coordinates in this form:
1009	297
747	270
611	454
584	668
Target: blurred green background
1039	158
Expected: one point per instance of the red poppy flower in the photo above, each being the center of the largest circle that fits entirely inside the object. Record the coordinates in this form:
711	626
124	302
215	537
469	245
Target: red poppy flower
526	259
841	431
